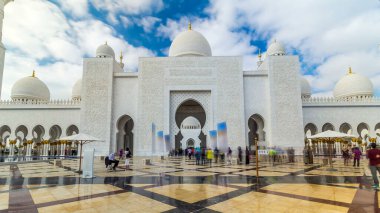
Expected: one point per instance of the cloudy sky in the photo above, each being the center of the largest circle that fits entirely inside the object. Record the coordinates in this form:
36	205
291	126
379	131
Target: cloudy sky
53	36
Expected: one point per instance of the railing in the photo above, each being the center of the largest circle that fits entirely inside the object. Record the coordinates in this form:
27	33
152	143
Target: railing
67	102
341	101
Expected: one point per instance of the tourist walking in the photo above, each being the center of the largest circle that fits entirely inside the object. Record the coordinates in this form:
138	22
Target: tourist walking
240	155
373	155
246	155
197	155
189	152
216	154
128	153
229	156
346	155
357	154
306	155
210	155
203	156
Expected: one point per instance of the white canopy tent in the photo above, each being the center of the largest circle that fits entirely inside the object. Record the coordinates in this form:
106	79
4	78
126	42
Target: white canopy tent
330	137
82	138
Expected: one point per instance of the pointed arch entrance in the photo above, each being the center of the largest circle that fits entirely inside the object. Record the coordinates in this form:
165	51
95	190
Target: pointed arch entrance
124	135
256	129
190	108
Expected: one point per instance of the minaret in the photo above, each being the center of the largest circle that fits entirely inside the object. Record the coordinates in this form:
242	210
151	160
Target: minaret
121	60
2	48
259	62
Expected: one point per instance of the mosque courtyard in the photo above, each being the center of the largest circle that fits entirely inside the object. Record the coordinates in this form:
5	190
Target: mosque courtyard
178	185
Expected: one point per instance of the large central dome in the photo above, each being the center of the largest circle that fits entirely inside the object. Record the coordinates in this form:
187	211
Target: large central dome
190	43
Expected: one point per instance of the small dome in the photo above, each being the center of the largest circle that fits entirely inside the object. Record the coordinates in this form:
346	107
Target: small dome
30	88
305	88
353	85
190	123
276	49
105	51
77	90
190	43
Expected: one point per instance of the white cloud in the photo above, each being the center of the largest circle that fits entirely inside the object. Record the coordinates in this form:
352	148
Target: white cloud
127	7
330	34
77	8
222	39
147	23
55	45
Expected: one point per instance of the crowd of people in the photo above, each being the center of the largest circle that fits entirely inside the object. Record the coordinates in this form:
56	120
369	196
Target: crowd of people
205	156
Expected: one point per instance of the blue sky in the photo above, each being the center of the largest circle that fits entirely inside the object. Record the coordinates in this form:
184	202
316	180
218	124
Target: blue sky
53	36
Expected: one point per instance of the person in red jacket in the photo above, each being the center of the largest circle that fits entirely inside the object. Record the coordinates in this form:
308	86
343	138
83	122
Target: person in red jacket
374	163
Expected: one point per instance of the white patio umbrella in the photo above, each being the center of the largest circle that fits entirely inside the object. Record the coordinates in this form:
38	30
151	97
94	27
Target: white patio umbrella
330	137
82	138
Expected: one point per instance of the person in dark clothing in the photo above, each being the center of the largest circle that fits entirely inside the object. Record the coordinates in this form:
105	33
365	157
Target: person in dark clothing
246	155
197	156
203	156
346	156
374	163
240	155
216	154
357	154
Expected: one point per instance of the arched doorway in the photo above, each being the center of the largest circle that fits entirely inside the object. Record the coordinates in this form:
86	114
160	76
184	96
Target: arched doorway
377	130
5	132
38	133
55	133
363	131
345	128
256	129
310	129
190	108
190	143
328	126
124	135
21	133
72	130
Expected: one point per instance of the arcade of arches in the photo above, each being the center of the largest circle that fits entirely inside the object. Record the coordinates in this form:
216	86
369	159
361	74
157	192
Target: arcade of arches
36	141
363	132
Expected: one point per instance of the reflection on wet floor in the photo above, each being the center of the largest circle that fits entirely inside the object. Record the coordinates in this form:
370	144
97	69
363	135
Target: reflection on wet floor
178	185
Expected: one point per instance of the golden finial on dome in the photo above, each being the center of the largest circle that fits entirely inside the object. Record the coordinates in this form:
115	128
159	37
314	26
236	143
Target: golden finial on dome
189	25
349	70
34	74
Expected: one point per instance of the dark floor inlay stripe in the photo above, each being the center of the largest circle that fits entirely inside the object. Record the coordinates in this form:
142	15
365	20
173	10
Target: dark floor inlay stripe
19	200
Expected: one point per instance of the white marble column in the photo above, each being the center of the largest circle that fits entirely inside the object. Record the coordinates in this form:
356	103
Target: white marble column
29	148
11	149
63	148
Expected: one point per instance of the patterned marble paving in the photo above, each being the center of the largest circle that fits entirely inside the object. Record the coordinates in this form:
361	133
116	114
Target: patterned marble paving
261	202
178	185
124	202
191	193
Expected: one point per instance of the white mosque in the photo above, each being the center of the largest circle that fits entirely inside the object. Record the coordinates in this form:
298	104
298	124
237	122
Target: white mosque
186	95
